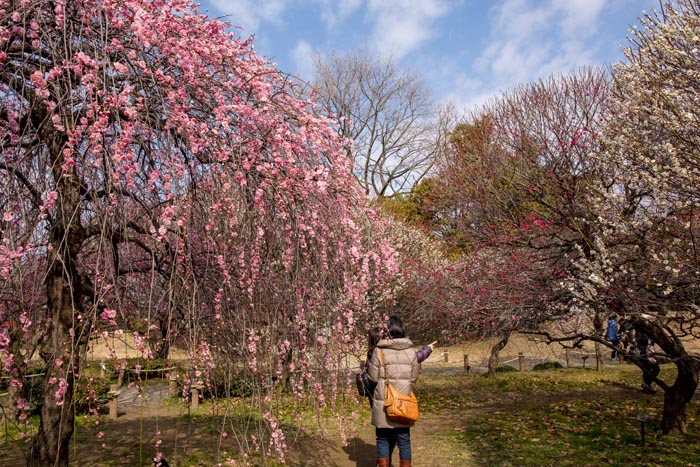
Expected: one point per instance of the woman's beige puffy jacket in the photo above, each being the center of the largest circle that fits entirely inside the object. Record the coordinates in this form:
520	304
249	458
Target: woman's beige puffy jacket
402	370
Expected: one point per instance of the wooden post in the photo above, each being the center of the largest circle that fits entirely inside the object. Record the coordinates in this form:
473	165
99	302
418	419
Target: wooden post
466	362
194	393
114	393
446	354
120	378
102	369
172	387
521	360
566	354
584	360
194	398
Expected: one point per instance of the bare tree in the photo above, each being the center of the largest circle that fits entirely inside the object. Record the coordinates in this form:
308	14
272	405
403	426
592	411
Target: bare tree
389	115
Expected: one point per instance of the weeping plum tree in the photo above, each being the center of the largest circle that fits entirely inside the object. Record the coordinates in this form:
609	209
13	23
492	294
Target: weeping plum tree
158	176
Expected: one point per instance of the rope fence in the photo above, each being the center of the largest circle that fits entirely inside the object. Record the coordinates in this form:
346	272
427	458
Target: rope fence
571	358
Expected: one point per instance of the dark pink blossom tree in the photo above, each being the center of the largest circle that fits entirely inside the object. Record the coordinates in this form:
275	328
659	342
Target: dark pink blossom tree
512	194
158	176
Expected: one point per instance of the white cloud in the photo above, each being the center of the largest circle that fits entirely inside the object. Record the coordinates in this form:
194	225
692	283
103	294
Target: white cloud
532	39
467	94
303	56
580	16
248	14
347	6
518	19
400	26
335	11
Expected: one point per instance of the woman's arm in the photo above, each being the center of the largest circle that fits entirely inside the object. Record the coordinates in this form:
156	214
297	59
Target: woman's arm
425	352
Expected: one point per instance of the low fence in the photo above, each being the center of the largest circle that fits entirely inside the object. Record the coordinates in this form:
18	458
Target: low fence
570	358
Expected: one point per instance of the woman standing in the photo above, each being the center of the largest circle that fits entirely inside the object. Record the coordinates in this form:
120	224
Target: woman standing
400	366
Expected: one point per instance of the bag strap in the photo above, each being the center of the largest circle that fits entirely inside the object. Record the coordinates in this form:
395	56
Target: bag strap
381	359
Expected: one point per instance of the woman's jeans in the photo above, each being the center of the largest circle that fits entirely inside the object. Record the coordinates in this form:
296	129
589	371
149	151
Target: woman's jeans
388	438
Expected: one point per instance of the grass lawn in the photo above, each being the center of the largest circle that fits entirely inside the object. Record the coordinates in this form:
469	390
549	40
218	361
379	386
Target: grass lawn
570	417
560	418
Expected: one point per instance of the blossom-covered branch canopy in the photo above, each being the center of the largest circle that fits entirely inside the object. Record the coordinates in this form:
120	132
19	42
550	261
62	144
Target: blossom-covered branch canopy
158	175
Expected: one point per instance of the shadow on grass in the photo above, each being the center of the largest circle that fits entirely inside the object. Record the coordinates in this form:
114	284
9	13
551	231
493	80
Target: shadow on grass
361	452
194	440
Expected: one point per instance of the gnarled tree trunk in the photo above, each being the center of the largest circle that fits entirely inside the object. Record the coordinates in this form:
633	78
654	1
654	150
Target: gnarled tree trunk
59	347
677	397
60	354
495	350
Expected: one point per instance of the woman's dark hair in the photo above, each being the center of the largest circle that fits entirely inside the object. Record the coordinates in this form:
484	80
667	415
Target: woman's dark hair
396	328
374	336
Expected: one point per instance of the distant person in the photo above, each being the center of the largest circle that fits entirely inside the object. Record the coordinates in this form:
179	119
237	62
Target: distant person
647	359
401	368
612	334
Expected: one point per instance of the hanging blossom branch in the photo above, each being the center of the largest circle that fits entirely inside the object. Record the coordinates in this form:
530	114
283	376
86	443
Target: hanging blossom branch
162	179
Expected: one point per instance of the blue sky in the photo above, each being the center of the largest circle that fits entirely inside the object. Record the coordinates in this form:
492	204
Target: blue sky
466	50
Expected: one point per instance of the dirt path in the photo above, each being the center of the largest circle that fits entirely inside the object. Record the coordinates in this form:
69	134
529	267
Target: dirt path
135	402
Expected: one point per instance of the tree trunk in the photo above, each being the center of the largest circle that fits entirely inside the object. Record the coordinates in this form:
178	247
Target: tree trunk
599	357
677	397
61	357
495	350
162	351
160	346
60	345
599	326
50	446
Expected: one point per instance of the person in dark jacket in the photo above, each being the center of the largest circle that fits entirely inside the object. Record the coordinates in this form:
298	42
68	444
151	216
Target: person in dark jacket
626	335
400	366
